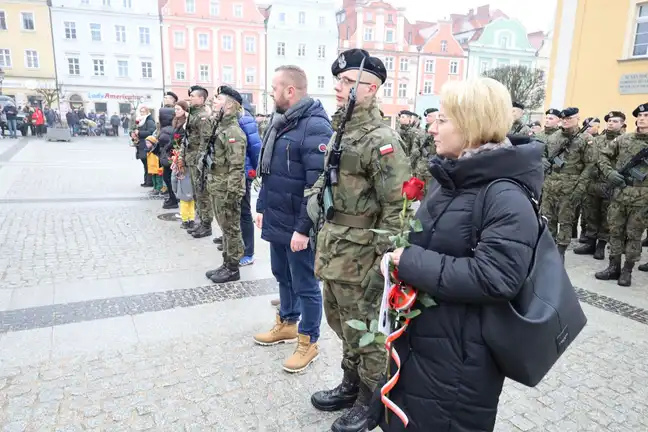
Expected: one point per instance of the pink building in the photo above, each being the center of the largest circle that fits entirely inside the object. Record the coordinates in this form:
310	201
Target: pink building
211	43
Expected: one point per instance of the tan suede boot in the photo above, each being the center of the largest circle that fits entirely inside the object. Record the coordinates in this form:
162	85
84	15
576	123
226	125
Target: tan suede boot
305	354
282	332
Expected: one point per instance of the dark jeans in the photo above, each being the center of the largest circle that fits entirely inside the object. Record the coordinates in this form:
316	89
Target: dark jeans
147	178
247	226
166	175
299	291
115	130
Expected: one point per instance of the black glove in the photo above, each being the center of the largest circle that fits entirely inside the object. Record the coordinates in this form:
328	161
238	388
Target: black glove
376	411
615	179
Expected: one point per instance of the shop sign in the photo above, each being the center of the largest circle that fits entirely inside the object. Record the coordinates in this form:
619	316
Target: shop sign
633	84
116	96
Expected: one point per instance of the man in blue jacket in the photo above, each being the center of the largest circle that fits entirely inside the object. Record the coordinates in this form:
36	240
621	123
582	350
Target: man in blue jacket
292	159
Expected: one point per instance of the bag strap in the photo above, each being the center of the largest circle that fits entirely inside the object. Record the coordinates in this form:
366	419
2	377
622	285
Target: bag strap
478	207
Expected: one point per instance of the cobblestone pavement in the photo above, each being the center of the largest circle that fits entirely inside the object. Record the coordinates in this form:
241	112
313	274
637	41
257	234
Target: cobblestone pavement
107	323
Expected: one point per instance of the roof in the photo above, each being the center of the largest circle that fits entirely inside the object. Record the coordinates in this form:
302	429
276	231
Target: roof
536	39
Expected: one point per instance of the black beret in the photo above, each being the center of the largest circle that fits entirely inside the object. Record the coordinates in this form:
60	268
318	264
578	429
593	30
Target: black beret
351	60
553	111
430	110
614	114
518	105
173	95
197	87
568	112
641	108
590	120
229	91
404	112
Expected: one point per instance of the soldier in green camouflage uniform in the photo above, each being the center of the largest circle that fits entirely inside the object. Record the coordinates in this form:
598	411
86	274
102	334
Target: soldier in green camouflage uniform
408	136
199	129
262	123
372	170
518	127
596	202
565	187
226	182
594	125
627	213
420	156
551	125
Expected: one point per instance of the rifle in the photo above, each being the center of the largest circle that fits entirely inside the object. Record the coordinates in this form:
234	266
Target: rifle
630	172
206	161
555	159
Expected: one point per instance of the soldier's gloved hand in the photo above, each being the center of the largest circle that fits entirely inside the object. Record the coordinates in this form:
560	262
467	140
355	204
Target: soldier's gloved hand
546	164
615	179
376	407
373	285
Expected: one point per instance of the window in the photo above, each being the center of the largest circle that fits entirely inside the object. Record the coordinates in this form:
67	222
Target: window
120	33
250	75
227	42
503	62
31	59
390	18
302	18
427	87
389	63
454	67
640	46
70	30
147	69
106	2
238	11
27	21
85	1
214	8
127	4
484	65
180	70
526	64
409	38
322	21
301	50
444	46
368	34
73	66
5	57
389	35
504	40
282	17
321	52
250	44
145	35
429	66
320	82
203	41
98	67
228	74
402	90
281	49
3	20
388	89
404	64
190	7
95	32
368	16
203	73
122	68
178	39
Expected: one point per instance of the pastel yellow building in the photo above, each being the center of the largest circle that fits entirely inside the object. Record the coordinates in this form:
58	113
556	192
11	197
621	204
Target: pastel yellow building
599	60
26	51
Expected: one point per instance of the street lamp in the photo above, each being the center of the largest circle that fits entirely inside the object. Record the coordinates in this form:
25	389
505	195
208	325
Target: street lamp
2	75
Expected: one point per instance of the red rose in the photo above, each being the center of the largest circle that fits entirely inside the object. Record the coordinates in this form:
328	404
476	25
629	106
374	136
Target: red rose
136	122
413	189
252	173
176	136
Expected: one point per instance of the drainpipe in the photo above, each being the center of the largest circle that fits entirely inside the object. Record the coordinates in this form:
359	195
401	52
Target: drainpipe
265	35
162	54
56	80
418	71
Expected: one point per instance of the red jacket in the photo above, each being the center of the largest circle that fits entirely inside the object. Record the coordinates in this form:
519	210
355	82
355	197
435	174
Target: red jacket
38	117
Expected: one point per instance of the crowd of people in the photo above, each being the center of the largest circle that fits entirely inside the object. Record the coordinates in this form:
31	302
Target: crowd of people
28	120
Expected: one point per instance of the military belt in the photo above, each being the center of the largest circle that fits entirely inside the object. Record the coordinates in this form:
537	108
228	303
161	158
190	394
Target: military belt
220	170
352	221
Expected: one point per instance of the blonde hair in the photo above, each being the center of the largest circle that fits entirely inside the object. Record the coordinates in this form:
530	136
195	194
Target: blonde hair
480	109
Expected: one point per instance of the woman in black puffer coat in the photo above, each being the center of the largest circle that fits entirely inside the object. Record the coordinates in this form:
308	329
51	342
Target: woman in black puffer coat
165	145
449	382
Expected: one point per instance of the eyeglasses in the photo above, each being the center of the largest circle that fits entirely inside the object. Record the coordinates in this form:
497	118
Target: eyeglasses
348	82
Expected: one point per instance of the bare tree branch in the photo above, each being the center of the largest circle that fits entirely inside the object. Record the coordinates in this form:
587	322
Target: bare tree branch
526	85
50	95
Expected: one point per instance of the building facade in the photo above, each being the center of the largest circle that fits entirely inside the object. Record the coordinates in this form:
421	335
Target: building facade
214	42
610	70
108	54
26	55
304	33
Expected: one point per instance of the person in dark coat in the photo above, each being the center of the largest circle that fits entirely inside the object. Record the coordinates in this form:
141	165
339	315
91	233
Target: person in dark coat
165	145
114	122
145	128
448	380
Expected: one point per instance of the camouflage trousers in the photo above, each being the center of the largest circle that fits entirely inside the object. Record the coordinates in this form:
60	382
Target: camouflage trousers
595	212
227	208
627	219
202	199
559	208
341	304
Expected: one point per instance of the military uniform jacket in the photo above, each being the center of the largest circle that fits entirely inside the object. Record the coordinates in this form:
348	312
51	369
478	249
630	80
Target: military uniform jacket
617	153
545	134
228	175
420	158
373	167
199	130
594	154
520	128
409	138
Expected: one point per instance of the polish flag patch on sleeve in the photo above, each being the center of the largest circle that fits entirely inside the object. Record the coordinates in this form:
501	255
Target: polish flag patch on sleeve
386	149
231	140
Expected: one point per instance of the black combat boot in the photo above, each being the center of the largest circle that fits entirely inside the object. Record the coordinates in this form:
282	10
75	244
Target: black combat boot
561	251
612	272
625	280
587	248
211	273
599	253
229	273
195	227
188	225
355	420
643	267
219	246
218	240
203	231
341	397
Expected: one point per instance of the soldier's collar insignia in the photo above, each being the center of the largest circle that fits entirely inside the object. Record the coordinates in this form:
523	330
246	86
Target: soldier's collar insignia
342	61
